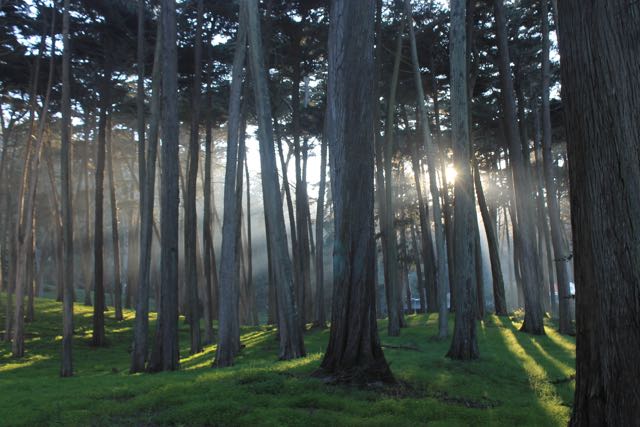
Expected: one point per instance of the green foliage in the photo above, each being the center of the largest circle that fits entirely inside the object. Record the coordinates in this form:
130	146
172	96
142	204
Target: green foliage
519	380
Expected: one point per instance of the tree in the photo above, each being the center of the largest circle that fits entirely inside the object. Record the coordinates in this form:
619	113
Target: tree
66	369
599	43
353	353
464	344
229	335
529	262
289	327
442	272
167	347
98	338
190	214
560	250
115	238
141	327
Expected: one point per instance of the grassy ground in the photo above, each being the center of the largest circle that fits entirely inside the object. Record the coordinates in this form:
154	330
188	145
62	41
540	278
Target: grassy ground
519	380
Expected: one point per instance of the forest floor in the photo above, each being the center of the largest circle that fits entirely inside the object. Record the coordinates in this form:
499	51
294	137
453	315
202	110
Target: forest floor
518	380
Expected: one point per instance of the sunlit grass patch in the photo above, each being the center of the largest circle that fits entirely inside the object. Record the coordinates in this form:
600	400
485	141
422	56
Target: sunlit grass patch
518	380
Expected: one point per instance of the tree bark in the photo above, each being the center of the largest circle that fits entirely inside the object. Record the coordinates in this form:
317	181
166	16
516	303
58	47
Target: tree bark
290	333
139	351
66	369
464	345
354	353
442	273
98	338
599	43
166	346
190	213
392	270
494	255
560	250
117	280
533	318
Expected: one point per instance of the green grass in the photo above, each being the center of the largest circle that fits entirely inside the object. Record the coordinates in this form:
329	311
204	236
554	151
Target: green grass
519	380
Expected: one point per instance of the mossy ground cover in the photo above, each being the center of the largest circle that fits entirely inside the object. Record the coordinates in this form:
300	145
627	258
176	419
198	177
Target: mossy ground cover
519	380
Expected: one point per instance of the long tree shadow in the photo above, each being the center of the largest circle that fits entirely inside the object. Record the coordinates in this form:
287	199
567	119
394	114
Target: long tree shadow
541	370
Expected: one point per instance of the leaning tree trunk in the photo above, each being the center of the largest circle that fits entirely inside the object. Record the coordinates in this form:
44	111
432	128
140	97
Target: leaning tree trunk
353	353
433	156
464	345
599	43
494	255
533	317
290	332
560	250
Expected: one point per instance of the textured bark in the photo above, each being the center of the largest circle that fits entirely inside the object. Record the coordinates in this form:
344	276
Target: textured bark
433	156
228	342
66	369
166	346
190	213
533	317
290	333
499	300
139	351
599	42
464	345
353	353
560	249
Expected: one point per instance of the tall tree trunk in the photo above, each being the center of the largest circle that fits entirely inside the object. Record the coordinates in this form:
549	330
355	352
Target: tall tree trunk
428	256
98	338
442	274
533	318
117	280
166	346
190	213
599	43
353	353
464	345
66	369
499	299
228	342
210	272
26	210
139	351
86	243
560	250
392	270
320	320
290	333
